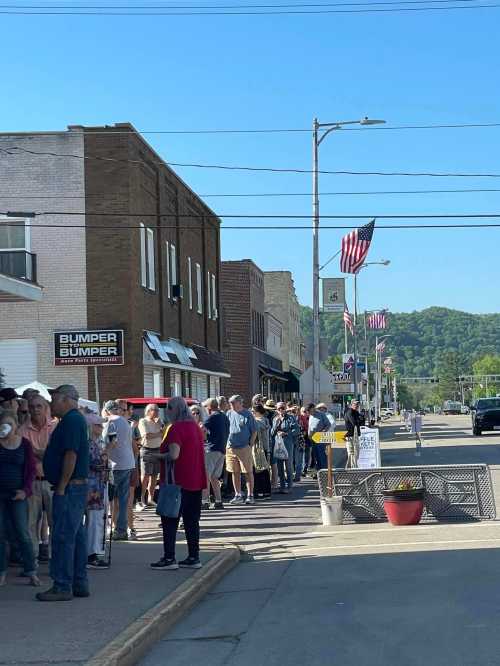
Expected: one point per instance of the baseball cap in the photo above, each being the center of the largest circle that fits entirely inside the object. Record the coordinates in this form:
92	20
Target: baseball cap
8	394
68	390
111	405
236	398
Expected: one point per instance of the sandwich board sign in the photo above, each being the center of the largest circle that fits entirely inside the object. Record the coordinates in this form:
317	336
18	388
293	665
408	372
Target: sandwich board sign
369	449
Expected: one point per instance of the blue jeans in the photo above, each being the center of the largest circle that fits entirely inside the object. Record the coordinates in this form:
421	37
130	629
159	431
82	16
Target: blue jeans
321	460
286	466
122	489
15	514
68	565
299	462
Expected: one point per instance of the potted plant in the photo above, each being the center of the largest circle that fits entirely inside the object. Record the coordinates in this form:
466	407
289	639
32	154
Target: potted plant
404	504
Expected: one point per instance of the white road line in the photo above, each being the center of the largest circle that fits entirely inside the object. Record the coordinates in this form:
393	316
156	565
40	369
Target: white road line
391	545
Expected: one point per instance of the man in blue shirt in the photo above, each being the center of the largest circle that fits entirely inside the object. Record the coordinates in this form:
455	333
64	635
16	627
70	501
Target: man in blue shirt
217	427
242	435
66	467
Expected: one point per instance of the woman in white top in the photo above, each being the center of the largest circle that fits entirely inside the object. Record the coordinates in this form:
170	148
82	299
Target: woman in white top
151	431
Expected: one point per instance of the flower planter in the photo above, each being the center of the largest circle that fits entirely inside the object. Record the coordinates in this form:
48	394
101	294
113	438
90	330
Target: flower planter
404	507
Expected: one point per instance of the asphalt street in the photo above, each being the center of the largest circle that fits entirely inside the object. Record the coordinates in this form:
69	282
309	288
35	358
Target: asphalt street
353	594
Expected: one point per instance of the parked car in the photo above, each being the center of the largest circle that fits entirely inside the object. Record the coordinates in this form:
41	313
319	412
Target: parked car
485	415
140	404
452	407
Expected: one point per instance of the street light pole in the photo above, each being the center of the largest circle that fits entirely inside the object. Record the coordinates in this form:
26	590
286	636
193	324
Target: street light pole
316	331
317	139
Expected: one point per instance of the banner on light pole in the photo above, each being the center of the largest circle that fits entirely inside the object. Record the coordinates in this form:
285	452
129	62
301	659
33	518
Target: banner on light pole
333	294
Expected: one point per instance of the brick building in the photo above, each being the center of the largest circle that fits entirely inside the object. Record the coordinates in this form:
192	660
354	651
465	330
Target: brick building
253	369
143	255
281	302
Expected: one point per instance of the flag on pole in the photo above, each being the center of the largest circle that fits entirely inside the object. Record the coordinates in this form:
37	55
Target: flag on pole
348	320
354	248
377	320
380	347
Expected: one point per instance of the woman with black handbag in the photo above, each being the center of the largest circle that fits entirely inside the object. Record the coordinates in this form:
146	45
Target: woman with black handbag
182	479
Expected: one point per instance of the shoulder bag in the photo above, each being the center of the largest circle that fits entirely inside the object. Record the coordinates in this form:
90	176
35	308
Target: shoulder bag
169	496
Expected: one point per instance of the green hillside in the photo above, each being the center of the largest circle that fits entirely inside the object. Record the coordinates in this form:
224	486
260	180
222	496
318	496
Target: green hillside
421	338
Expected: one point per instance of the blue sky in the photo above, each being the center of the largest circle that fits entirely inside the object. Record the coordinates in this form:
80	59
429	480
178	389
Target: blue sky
207	72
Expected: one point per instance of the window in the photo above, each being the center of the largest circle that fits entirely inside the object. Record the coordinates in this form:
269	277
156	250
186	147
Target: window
209	308
173	264
14	237
151	258
144	275
199	289
147	257
169	289
14	244
190	284
214	298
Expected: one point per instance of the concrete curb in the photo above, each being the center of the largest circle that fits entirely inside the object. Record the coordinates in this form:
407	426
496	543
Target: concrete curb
133	642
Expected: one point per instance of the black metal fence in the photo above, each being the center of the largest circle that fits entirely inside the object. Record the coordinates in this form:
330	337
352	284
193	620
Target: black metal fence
18	264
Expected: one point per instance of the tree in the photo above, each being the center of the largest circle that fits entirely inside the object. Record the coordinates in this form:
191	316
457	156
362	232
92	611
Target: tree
333	363
487	365
451	365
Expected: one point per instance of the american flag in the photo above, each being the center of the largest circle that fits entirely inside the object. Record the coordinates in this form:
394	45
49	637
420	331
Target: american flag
348	320
355	246
380	347
377	320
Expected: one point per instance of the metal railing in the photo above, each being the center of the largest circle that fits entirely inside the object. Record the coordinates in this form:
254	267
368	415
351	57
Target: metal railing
18	264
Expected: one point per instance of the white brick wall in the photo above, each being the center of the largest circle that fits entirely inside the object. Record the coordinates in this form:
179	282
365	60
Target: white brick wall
36	183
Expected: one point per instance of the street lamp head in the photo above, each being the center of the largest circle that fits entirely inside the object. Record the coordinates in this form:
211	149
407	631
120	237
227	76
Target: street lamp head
371	121
385	262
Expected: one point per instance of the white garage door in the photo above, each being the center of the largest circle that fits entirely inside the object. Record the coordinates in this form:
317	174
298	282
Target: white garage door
148	382
18	362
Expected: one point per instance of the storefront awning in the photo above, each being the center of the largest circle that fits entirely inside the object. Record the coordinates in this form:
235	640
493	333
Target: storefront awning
273	372
293	381
172	354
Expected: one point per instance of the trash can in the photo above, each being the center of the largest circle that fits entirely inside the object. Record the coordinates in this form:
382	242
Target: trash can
331	510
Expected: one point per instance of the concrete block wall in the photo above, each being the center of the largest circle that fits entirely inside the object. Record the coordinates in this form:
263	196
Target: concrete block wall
43	183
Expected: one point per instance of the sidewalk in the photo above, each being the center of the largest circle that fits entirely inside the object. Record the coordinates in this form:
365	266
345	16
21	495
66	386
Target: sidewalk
69	633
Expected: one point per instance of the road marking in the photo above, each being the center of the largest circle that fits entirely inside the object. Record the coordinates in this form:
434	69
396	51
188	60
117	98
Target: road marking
391	545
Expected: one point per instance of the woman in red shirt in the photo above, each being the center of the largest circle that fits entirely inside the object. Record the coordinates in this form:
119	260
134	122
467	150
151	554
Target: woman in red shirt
183	445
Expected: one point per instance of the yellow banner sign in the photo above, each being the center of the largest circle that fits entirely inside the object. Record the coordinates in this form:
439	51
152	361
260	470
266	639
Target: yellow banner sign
333	438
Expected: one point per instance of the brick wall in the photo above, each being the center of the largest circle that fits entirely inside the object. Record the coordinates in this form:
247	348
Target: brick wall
44	183
242	291
140	184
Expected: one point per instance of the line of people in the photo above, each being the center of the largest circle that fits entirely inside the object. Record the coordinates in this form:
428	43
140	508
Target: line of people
63	472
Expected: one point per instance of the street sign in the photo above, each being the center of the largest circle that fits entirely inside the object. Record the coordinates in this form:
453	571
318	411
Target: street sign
388	361
341	376
333	294
332	438
104	347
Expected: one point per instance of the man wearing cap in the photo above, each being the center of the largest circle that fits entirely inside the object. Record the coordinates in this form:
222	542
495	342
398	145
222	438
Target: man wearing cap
121	452
66	468
242	435
9	400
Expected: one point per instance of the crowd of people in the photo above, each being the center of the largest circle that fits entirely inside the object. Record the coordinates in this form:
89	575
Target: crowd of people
70	478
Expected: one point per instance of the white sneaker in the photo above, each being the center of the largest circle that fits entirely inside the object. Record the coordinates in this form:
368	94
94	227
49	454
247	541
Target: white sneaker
237	499
250	500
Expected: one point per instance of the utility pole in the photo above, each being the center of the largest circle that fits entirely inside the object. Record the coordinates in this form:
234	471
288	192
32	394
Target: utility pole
316	370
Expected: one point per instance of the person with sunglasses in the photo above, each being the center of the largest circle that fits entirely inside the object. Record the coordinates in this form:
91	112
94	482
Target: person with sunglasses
151	429
285	425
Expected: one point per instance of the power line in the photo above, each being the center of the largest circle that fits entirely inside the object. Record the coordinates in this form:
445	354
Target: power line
251	195
118	227
257	169
267	12
168	7
272	216
278	130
